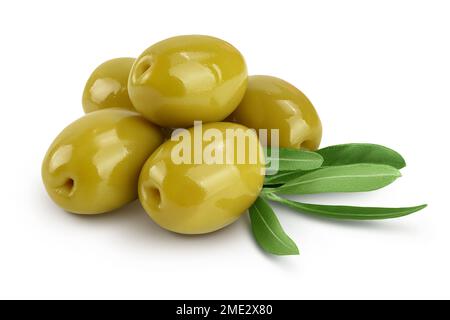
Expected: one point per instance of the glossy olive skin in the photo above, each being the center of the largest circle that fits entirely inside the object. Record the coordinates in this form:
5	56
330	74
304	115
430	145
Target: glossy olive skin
272	103
193	198
186	78
93	165
107	87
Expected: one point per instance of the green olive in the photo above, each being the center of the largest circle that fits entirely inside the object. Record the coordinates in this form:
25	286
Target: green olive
187	78
107	86
93	165
272	103
195	197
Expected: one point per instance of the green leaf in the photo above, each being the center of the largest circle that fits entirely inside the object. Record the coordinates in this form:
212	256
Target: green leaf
283	177
352	153
346	212
267	230
347	178
295	159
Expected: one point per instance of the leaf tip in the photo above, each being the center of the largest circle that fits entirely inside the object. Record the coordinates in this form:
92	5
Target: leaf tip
422	206
397	173
293	252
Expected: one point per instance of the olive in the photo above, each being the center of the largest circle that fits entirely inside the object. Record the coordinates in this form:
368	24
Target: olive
272	103
195	197
93	165
186	78
107	86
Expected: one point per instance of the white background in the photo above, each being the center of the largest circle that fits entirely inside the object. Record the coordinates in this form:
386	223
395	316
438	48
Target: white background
377	71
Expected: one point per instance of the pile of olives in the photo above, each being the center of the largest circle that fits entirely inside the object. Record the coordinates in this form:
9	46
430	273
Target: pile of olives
121	149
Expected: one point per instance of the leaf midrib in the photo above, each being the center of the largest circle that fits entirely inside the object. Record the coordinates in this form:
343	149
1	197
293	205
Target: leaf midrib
299	160
359	215
270	229
334	177
281	175
313	208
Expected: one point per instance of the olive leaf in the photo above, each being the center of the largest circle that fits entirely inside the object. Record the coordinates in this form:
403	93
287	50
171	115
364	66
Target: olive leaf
346	178
294	159
345	212
283	177
352	153
267	230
